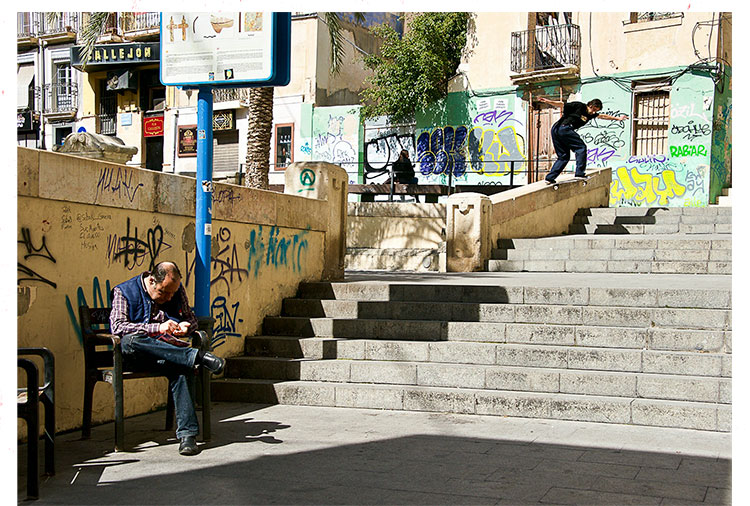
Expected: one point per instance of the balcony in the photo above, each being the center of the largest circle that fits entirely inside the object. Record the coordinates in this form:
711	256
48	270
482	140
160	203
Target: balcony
139	25
28	26
229	95
60	28
32	26
546	52
60	100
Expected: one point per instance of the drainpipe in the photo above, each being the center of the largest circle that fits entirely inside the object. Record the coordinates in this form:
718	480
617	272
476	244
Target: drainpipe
42	132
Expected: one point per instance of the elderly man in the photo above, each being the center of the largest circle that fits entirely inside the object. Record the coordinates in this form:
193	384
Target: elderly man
150	312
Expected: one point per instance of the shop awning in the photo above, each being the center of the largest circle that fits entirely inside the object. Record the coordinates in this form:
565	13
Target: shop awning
24	77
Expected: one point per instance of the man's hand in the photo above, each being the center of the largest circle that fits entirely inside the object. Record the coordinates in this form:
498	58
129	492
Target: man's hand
169	327
182	329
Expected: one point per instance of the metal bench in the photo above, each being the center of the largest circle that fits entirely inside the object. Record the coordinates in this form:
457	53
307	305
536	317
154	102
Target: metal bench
368	191
28	399
106	365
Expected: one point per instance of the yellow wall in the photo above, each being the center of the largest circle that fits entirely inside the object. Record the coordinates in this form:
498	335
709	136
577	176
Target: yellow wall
85	226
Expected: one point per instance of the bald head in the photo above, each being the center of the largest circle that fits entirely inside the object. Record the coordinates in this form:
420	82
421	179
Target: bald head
163	282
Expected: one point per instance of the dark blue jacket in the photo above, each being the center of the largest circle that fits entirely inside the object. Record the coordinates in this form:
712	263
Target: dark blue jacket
140	304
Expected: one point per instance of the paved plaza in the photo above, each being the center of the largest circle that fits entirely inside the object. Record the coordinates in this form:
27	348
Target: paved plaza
279	454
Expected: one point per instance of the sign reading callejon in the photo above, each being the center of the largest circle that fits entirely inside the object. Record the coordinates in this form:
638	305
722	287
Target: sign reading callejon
117	54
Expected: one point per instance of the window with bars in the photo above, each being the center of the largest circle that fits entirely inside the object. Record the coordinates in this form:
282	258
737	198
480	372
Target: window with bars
650	121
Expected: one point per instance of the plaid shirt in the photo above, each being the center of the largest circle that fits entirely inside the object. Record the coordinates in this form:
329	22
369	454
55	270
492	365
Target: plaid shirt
120	323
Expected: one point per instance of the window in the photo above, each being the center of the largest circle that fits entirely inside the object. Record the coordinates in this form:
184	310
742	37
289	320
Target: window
62	98
650	119
642	17
284	145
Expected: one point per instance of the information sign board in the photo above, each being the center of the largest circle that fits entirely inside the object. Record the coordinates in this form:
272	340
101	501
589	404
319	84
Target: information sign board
224	49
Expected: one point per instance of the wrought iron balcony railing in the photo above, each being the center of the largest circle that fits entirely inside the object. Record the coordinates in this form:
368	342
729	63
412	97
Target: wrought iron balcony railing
63	22
546	47
138	21
39	24
229	94
28	24
60	98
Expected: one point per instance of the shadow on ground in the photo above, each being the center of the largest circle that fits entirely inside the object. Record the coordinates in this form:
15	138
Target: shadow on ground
250	461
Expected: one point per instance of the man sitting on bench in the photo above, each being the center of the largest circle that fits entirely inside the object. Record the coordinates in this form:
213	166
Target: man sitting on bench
403	171
150	313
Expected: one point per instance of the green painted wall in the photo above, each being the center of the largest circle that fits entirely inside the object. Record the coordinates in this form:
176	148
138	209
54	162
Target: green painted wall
475	136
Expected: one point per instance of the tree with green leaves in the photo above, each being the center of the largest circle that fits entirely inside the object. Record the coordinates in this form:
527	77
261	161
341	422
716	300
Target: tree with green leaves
413	71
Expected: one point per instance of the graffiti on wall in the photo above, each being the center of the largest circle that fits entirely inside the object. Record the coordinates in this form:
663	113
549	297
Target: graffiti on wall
97	299
225	321
382	151
225	261
117	182
136	249
267	248
333	146
32	249
487	151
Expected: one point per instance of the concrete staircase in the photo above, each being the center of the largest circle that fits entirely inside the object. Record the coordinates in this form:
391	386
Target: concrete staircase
628	240
641	354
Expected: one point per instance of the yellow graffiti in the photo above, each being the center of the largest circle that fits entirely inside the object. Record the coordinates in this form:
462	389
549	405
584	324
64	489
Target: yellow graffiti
644	188
493	147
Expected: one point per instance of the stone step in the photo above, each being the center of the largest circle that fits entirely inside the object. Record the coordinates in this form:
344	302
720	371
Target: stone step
492	320
447	294
648	220
619	242
656	212
679	340
561	406
611	266
487	377
587	358
393	259
657	254
658	228
476	312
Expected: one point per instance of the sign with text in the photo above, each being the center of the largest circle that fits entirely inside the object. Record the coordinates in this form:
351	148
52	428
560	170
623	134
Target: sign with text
187	140
224	48
153	126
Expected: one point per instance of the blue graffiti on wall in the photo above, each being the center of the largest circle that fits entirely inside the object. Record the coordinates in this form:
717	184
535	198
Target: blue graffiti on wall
225	321
97	300
275	251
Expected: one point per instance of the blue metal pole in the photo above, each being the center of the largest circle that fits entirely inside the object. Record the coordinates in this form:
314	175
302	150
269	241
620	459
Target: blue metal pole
203	202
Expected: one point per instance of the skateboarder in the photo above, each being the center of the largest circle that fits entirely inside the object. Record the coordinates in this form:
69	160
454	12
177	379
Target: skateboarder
564	135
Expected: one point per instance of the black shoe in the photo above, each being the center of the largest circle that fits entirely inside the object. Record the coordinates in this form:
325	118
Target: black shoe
213	363
550	182
188	446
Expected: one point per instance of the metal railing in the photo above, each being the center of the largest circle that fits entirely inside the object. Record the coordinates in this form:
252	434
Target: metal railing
64	22
37	24
545	47
229	94
28	24
138	21
107	124
60	98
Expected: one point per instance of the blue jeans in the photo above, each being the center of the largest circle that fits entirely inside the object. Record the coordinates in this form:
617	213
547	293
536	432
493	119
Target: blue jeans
565	139
143	353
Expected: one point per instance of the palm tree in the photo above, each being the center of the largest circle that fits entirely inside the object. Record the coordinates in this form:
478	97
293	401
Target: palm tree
261	108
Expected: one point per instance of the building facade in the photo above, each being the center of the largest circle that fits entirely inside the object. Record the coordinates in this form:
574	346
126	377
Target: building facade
669	72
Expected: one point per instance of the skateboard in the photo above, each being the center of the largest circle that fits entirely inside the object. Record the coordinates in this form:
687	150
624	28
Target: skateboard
583	180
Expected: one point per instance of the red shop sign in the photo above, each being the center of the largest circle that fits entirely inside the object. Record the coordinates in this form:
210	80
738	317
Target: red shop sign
153	126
